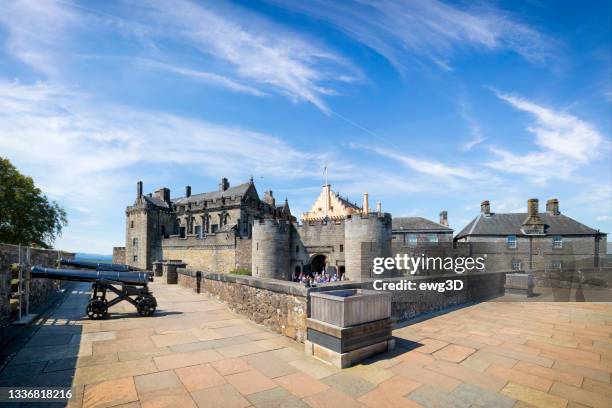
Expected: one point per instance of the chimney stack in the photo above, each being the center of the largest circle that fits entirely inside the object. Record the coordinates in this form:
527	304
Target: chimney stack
378	207
552	206
187	191
224	184
532	207
533	222
366	204
485	207
139	190
444	218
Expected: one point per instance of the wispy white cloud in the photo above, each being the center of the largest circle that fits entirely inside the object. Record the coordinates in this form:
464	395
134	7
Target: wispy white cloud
474	127
231	47
565	143
429	167
408	31
604	218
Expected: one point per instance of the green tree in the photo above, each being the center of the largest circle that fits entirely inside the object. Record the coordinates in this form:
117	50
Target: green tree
27	217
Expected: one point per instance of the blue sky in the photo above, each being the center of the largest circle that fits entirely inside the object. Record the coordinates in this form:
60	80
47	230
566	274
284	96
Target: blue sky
426	105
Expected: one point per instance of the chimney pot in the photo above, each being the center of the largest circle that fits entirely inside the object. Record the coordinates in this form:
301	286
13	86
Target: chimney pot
366	203
187	191
444	218
485	207
139	190
552	206
378	207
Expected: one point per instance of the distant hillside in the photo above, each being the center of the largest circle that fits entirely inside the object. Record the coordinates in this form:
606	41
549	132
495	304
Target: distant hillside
83	256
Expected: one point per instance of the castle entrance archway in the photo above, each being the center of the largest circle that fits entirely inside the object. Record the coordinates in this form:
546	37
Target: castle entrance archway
317	264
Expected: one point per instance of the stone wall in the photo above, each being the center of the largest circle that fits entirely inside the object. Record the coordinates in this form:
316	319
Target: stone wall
284	306
278	305
119	255
39	288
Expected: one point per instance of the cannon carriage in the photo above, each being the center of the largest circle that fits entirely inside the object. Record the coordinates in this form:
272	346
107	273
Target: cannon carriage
129	286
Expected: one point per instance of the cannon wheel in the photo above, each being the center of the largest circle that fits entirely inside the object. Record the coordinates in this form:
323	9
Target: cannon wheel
146	305
97	308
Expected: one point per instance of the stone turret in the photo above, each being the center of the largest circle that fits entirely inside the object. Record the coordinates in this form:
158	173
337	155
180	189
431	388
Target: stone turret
366	237
271	256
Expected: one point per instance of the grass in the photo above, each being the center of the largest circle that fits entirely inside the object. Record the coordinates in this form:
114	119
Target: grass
240	271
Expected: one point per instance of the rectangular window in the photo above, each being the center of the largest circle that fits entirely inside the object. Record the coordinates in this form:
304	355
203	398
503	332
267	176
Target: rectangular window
556	264
131	224
341	248
214	228
511	241
297	248
516	265
135	258
432	238
557	241
412	239
198	231
135	242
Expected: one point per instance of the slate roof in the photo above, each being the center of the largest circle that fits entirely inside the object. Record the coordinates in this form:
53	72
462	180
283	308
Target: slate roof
417	224
156	201
239	190
511	223
348	203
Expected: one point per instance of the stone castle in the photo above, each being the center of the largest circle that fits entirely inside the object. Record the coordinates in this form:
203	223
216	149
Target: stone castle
233	228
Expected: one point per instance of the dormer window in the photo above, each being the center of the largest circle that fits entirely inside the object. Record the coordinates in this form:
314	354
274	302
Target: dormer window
557	241
511	241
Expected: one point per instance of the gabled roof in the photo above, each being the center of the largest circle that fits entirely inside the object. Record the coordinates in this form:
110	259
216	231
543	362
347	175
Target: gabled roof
348	203
417	224
156	201
239	190
511	223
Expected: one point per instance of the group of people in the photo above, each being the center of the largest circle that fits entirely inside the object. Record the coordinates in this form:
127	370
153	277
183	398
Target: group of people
320	277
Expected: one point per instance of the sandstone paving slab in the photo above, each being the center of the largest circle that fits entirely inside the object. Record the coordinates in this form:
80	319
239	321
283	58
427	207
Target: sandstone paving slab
477	396
95	336
314	368
223	396
178	360
231	366
390	393
171	339
433	397
300	384
56	339
582	396
199	377
250	382
332	398
454	353
73	362
276	398
349	384
175	397
146	353
426	376
103	372
268	365
156	381
566	377
533	397
210	344
110	393
520	377
465	374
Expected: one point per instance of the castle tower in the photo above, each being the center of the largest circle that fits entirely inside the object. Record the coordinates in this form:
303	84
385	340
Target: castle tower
271	249
366	237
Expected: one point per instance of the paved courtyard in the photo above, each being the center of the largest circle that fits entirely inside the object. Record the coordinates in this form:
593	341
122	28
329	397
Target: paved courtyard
196	353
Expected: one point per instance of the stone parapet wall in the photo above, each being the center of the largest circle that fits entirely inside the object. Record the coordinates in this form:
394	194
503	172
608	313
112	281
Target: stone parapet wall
119	255
284	306
280	306
39	288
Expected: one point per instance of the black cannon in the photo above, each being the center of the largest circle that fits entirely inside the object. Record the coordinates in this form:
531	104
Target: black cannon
96	266
129	286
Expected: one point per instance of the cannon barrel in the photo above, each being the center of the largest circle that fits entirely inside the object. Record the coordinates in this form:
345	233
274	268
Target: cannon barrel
128	278
96	266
